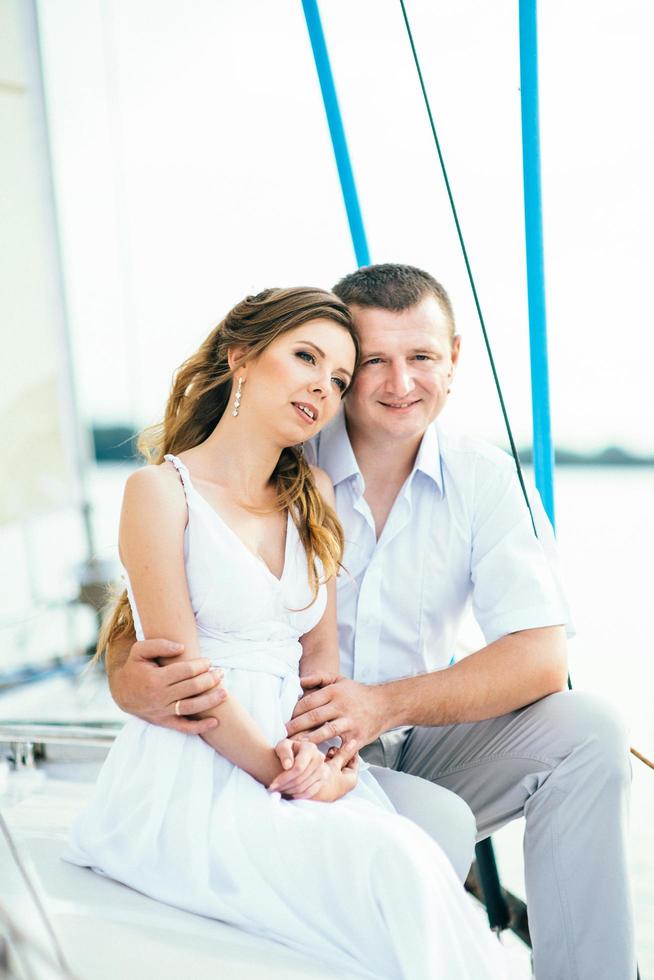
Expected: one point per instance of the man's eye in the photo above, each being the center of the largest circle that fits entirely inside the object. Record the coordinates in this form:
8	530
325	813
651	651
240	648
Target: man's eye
422	357
306	356
374	360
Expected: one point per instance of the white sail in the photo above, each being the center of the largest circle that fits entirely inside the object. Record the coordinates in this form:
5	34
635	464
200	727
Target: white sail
44	523
40	471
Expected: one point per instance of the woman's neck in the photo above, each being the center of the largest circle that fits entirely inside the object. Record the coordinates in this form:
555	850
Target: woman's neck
237	457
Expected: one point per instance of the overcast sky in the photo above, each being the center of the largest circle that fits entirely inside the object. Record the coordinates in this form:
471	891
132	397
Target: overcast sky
194	165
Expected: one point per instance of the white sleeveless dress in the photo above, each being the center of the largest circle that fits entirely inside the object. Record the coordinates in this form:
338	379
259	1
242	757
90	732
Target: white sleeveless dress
350	883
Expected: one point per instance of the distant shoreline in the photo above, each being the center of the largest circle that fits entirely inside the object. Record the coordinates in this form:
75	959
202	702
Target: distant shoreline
117	444
611	456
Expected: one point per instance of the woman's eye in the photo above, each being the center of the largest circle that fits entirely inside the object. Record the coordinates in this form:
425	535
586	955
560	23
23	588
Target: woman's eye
340	384
306	356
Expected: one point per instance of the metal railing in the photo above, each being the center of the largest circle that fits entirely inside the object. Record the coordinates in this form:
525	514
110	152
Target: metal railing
27	739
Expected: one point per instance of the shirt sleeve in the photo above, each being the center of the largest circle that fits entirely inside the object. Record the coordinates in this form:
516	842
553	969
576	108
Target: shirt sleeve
516	582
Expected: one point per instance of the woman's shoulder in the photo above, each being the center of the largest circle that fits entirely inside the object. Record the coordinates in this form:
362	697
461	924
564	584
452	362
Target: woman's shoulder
324	485
155	486
154	510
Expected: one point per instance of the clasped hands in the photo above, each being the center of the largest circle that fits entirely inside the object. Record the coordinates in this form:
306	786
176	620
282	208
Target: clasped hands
310	775
174	694
332	706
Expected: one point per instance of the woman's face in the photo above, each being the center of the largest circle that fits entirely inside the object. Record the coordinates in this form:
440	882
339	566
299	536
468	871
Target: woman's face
296	384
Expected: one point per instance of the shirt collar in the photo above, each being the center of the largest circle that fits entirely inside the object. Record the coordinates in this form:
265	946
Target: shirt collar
428	460
336	454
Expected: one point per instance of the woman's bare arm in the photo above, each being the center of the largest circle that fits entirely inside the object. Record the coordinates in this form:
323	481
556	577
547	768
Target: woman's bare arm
152	550
320	657
320	645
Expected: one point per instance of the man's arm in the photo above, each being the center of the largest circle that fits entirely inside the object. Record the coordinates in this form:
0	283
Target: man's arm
117	653
505	675
508	674
164	693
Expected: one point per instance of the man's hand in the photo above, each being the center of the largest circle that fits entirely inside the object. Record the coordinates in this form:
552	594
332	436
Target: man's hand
144	688
340	774
336	706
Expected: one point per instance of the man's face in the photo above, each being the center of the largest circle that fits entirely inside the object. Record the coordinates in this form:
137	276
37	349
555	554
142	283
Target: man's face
407	363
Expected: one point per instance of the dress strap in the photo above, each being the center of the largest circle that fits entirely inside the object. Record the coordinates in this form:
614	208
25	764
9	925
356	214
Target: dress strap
184	474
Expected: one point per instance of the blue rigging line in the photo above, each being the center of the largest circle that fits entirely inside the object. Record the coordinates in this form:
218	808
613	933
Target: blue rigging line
336	130
471	278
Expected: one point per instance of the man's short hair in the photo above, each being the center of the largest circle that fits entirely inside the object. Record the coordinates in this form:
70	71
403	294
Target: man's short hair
390	286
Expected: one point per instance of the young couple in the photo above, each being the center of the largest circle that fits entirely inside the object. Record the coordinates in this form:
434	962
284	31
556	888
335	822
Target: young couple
221	797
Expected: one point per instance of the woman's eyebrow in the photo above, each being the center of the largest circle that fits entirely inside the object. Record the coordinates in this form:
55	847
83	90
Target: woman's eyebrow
310	343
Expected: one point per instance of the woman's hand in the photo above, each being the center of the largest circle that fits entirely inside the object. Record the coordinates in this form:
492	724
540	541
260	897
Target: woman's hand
303	763
339	774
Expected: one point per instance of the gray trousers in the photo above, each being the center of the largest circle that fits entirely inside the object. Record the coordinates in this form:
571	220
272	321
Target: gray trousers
563	764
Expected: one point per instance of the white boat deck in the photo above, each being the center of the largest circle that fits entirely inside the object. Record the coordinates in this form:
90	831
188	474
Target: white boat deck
106	930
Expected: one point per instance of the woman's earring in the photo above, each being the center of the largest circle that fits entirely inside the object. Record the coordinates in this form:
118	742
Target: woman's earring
237	399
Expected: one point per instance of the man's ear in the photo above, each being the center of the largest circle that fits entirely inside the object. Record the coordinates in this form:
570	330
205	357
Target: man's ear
456	350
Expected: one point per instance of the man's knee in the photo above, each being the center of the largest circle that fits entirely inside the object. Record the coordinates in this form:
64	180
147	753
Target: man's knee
458	836
443	815
587	724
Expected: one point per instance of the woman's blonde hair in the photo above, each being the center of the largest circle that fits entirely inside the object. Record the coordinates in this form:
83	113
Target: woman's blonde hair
199	396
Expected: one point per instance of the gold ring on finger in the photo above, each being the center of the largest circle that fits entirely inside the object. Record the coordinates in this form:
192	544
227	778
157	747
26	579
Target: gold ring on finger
177	711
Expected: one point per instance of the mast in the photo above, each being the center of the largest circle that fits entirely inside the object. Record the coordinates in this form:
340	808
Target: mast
540	396
336	131
541	418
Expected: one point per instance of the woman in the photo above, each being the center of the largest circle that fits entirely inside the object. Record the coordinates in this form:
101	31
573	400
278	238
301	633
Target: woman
231	546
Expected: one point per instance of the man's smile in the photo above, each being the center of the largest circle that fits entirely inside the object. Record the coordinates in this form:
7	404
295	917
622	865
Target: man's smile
400	406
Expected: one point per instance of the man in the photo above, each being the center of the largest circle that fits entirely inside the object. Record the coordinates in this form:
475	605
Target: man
434	522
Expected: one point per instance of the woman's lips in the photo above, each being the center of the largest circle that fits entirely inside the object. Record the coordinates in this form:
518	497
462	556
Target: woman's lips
303	415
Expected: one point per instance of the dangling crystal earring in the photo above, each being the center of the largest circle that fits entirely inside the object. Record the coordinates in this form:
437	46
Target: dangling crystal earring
237	399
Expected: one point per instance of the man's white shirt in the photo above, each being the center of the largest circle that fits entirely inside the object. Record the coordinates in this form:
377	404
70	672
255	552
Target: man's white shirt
459	532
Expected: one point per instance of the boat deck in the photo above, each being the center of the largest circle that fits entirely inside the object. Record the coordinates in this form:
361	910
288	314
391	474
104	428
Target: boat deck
103	929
